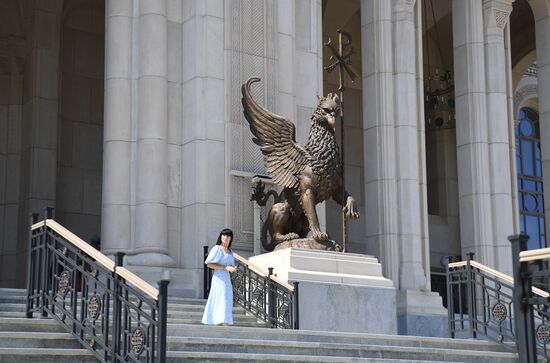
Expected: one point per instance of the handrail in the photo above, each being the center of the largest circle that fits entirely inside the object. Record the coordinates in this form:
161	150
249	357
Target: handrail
110	310
99	257
77	242
533	255
495	273
260	271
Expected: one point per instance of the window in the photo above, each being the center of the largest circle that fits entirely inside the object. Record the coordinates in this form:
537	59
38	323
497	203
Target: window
529	167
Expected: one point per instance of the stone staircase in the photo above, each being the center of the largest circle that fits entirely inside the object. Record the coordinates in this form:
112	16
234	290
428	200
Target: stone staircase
44	340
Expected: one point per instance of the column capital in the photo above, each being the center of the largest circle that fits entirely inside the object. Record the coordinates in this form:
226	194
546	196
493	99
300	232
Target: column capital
496	12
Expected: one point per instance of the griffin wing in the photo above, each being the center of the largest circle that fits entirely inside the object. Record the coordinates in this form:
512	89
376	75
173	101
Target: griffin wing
284	158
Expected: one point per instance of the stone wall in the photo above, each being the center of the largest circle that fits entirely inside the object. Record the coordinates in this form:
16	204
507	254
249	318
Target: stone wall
81	120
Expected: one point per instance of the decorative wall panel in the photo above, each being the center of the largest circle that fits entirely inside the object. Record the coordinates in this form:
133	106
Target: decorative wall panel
252	25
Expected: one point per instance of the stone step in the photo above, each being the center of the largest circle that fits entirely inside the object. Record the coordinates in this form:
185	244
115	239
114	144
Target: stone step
245	333
45	340
244	321
194	357
21	294
252	346
19	339
40	355
173	310
13	299
10	291
30	325
236	321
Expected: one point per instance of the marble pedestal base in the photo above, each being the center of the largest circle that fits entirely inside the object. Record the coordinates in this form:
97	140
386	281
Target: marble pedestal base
421	313
338	291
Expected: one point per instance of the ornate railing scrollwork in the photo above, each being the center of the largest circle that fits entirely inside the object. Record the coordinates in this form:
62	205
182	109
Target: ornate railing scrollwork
111	311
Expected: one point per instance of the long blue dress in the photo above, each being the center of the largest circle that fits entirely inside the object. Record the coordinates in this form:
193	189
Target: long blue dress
219	307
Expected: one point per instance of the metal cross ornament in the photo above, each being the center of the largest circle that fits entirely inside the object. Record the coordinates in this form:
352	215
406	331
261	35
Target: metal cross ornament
341	59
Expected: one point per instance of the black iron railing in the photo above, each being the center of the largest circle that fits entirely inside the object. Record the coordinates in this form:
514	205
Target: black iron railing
263	295
485	303
111	311
479	301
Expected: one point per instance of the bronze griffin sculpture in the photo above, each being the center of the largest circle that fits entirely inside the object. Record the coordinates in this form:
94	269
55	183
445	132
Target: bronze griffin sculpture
309	175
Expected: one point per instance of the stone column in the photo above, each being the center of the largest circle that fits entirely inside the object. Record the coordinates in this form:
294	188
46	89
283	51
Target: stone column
541	12
151	221
117	145
495	17
415	302
474	187
379	137
203	157
511	128
39	131
411	272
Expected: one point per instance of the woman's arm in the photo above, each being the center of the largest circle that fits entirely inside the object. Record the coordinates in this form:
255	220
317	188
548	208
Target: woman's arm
215	266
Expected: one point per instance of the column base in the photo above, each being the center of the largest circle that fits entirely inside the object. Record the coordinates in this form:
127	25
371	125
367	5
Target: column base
421	313
152	259
183	282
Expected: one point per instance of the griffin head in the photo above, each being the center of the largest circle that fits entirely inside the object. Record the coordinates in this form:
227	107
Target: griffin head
326	111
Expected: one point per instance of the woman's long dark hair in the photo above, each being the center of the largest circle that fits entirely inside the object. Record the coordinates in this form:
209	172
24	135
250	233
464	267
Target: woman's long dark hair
227	232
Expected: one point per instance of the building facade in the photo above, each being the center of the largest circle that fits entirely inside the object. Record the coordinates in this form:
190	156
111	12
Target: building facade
126	117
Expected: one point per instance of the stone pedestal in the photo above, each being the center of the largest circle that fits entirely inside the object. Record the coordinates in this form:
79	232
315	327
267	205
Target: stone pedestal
421	313
329	281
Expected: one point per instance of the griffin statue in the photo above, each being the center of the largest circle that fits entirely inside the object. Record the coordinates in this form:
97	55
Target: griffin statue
309	175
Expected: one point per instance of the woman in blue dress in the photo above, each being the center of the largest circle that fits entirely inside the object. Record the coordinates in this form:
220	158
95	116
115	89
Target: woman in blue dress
219	307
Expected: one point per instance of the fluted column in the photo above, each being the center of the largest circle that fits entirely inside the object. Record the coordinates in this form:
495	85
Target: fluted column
151	221
115	213
379	134
495	18
474	187
411	271
541	12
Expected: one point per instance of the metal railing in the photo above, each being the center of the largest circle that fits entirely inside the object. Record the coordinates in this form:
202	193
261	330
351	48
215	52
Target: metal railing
533	310
483	302
111	311
479	301
262	294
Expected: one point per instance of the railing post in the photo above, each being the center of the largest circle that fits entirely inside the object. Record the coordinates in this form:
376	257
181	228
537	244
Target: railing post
471	295
523	311
30	268
296	306
205	274
45	269
117	307
271	298
49	213
163	312
450	297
